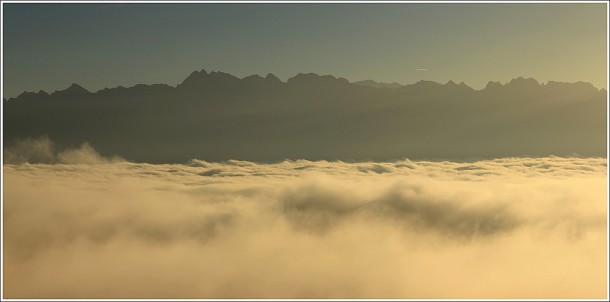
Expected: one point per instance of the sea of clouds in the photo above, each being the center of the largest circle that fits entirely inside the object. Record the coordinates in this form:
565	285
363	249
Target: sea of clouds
78	225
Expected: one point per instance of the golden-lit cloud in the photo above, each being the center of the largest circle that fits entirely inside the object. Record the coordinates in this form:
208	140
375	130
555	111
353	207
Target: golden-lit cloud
505	228
42	150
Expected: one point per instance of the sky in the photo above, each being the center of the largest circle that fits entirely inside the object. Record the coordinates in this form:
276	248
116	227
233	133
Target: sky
104	221
49	46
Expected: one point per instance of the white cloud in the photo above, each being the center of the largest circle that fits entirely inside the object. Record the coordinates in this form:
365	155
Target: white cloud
42	150
506	228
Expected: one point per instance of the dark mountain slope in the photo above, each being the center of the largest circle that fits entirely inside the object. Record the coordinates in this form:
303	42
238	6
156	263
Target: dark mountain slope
216	116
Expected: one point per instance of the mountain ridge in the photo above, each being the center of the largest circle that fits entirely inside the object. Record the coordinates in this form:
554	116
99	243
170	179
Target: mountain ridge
201	76
217	116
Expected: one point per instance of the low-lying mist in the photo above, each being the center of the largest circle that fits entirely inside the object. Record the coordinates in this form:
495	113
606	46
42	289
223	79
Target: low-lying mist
77	225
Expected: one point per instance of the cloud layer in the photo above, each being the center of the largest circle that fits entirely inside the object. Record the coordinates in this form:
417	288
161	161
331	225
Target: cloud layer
506	228
42	150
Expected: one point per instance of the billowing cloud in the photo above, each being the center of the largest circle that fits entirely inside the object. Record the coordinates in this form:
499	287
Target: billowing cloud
42	150
39	150
505	228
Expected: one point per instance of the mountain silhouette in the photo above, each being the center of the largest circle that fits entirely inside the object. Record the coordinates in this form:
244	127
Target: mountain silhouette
217	116
378	84
73	91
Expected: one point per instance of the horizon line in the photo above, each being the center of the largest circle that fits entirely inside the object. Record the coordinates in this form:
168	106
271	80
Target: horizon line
312	73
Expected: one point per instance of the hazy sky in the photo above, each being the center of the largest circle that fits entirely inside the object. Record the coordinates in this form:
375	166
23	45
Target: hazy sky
50	46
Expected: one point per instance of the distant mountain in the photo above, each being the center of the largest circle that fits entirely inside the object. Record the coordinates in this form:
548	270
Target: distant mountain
74	90
217	116
378	84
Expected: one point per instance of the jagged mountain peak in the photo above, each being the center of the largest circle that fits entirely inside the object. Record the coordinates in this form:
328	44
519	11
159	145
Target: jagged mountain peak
195	76
493	85
202	80
523	82
73	90
272	77
316	79
376	84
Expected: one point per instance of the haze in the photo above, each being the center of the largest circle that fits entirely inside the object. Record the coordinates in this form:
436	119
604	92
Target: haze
50	46
513	228
304	151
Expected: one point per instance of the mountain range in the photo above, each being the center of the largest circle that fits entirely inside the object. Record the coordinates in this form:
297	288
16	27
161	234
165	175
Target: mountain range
216	116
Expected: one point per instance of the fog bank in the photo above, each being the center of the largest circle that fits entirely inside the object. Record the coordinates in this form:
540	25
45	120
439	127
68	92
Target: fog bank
506	228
